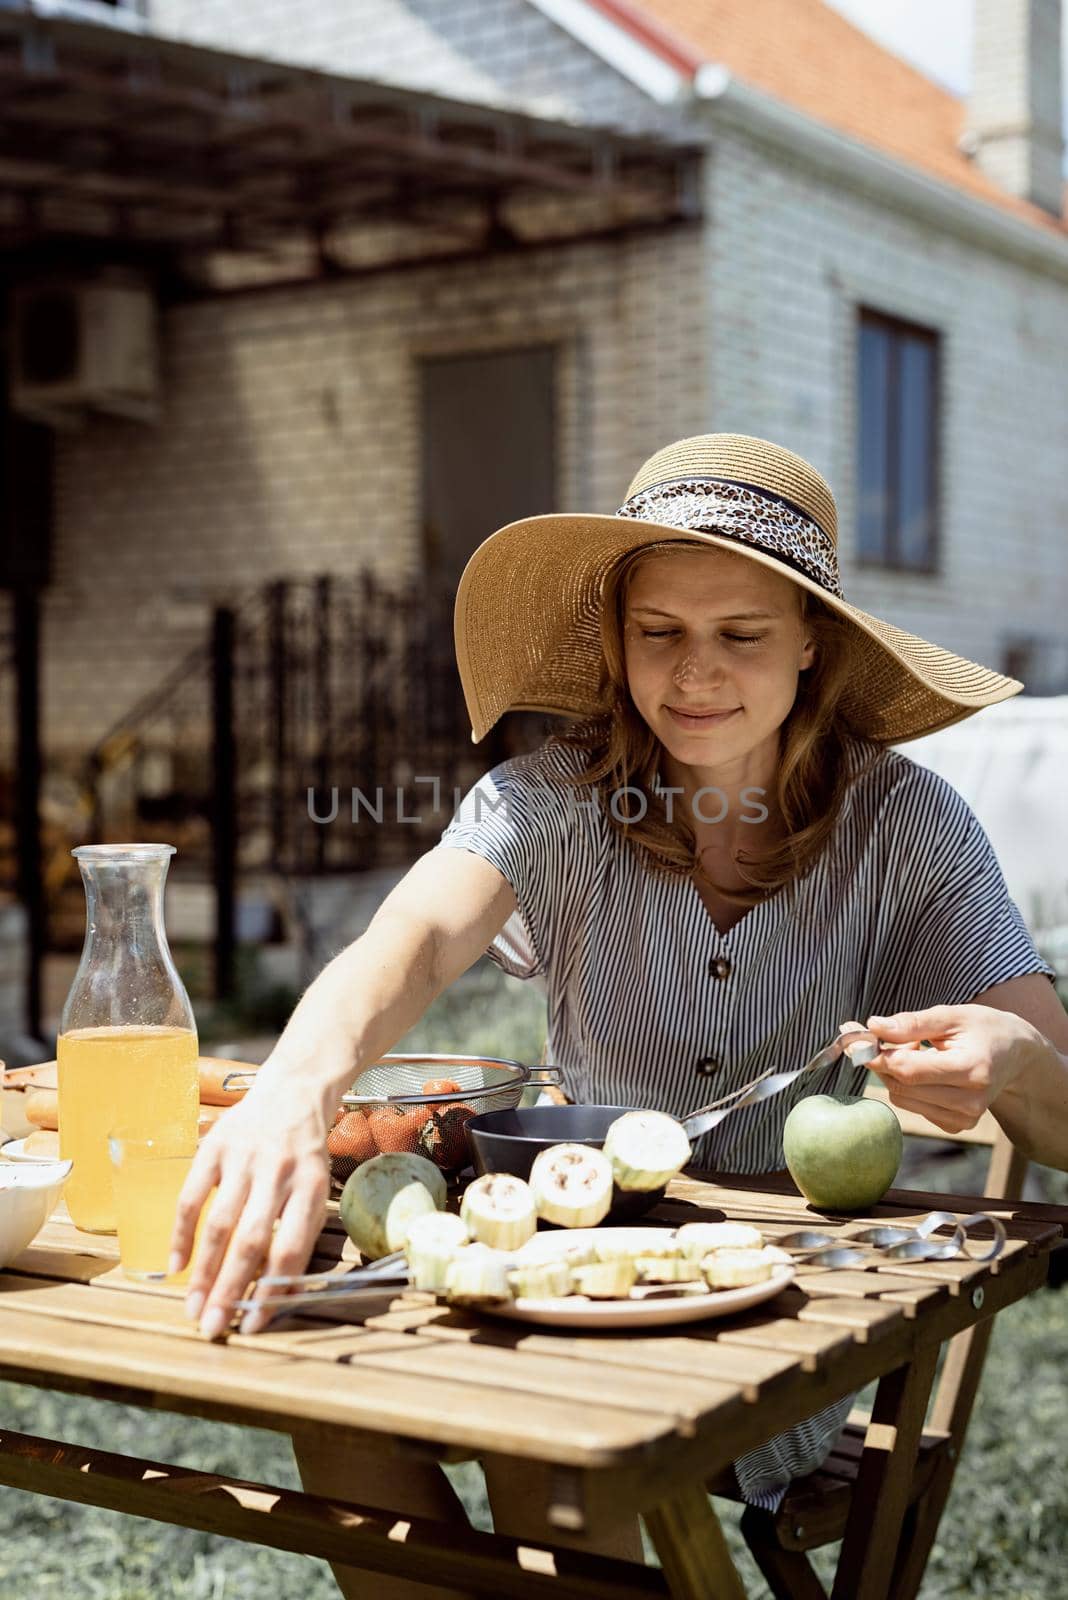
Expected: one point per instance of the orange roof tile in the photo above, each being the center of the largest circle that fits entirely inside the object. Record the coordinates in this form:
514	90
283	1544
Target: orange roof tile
811	57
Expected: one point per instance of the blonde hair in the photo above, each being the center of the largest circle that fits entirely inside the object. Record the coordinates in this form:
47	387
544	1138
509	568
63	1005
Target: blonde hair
811	778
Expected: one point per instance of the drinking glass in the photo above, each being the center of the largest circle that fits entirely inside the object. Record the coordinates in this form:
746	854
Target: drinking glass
148	1175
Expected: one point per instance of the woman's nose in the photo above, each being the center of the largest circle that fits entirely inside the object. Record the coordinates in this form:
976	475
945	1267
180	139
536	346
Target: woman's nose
698	665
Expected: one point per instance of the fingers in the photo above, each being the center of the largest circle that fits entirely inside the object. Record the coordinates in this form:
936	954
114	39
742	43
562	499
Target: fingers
219	1223
912	1026
953	1110
947	1090
203	1175
235	1243
949	1064
294	1237
848	1050
266	1162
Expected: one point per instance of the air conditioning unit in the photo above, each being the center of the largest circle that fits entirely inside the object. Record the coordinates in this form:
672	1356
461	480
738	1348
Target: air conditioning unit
84	345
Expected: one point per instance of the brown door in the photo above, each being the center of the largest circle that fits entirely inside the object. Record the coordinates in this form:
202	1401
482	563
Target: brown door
489	457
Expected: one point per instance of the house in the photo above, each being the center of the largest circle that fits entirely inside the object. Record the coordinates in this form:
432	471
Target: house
426	265
881	280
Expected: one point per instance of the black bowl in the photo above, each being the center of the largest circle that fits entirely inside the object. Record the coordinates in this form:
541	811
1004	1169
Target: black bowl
508	1141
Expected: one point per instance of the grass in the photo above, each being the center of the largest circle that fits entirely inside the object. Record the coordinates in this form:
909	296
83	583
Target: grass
1002	1536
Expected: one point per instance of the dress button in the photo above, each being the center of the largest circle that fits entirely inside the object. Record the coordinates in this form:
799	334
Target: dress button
719	967
707	1067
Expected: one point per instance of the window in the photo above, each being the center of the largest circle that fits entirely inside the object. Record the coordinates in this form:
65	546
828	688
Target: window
897	383
489	449
489	444
1041	664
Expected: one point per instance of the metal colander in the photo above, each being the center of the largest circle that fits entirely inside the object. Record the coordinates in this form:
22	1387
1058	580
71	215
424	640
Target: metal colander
403	1117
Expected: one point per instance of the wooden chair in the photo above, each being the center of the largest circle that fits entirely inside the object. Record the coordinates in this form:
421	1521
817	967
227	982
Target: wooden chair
815	1509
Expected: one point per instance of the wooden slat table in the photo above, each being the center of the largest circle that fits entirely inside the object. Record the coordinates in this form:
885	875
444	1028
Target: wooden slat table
613	1424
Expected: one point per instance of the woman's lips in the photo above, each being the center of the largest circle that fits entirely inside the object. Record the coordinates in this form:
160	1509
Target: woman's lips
685	720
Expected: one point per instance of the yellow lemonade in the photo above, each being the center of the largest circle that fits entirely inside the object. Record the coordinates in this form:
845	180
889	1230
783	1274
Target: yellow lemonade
147	1187
141	1078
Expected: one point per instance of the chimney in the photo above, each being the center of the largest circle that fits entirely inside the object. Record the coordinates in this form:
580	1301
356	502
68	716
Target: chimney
1015	107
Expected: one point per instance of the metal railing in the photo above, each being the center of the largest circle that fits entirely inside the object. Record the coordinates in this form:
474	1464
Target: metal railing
319	729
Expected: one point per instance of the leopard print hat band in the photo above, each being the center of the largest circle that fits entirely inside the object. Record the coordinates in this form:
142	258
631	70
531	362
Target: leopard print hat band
737	510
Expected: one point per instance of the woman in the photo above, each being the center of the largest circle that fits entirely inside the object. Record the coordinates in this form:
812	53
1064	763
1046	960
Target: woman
715	867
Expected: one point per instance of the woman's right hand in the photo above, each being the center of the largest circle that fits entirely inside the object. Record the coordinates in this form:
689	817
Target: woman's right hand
266	1160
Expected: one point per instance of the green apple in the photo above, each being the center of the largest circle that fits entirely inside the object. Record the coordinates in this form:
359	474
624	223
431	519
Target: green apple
842	1154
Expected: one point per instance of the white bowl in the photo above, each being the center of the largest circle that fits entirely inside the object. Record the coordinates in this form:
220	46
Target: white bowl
29	1190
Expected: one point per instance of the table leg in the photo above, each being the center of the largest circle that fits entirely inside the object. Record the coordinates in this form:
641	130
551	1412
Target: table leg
881	1492
328	1459
957	1389
519	1493
686	1533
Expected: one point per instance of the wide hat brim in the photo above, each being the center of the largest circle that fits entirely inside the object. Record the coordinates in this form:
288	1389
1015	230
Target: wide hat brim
528	636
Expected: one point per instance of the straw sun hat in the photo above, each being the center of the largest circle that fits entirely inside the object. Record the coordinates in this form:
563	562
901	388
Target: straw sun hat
528	605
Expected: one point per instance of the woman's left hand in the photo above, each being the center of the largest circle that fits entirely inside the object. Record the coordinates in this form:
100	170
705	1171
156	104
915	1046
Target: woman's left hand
950	1063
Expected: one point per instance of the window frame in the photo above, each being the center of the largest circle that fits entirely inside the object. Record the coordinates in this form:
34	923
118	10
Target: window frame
889	559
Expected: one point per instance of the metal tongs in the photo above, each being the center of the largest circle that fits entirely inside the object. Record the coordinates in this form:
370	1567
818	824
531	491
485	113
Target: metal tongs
859	1045
888	1242
315	1288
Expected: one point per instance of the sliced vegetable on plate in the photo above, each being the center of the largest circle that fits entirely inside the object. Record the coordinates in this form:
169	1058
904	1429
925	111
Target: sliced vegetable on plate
572	1185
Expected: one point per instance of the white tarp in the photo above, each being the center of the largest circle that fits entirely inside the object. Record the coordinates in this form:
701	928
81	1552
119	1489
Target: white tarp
1010	762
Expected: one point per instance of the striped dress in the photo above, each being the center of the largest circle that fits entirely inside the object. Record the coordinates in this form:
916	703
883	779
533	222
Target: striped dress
650	1005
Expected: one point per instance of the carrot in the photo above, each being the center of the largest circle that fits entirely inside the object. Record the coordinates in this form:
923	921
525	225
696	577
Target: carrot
213	1070
42	1109
40	1103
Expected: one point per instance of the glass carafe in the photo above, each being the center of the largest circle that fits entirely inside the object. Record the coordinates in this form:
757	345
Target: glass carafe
127	1049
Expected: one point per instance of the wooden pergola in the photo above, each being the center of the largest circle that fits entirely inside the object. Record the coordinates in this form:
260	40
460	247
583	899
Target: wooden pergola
216	173
115	137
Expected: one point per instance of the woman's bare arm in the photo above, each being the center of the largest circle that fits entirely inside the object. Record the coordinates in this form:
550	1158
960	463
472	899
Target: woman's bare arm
427	932
266	1159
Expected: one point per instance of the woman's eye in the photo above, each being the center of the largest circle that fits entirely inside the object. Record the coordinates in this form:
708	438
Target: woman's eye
669	633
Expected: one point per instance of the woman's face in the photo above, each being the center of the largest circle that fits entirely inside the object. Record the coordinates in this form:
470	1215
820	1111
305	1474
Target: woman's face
713	645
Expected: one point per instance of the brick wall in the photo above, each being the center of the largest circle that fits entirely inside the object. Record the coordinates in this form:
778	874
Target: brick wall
290	443
790	259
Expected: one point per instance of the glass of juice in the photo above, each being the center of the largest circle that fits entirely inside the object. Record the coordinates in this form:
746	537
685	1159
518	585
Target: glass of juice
148	1175
127	1048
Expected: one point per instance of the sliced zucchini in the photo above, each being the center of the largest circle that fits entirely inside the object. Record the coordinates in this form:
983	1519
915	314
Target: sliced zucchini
546	1280
478	1274
572	1185
667	1269
736	1269
605	1280
499	1210
646	1148
433	1240
696	1239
